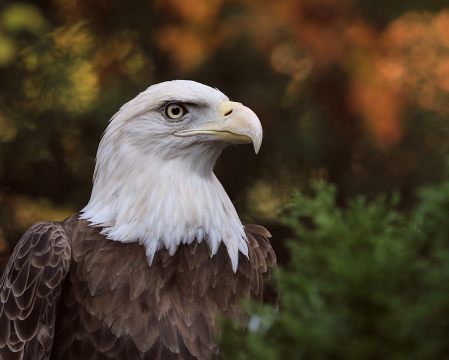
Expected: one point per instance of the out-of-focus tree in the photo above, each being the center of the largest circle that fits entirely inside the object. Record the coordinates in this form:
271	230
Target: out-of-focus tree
364	282
353	91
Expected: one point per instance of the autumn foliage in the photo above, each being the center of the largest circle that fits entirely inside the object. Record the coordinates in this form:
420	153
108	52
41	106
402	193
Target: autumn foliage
348	91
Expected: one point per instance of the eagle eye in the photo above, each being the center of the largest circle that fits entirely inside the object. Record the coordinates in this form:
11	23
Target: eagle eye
175	111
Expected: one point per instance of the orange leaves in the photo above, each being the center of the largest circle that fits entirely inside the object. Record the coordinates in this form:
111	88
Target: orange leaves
321	28
267	22
193	11
418	46
380	107
411	62
407	62
194	32
185	48
334	36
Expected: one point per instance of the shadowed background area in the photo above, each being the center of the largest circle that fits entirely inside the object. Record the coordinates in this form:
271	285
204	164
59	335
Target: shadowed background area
355	92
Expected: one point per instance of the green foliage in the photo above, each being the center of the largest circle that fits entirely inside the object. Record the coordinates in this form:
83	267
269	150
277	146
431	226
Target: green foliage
364	282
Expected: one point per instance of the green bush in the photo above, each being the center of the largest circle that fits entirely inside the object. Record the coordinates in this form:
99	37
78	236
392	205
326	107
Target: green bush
364	282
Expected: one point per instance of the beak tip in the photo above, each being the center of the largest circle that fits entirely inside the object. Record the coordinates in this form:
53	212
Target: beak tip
257	145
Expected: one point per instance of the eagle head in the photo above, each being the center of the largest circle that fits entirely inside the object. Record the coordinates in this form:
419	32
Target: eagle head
154	180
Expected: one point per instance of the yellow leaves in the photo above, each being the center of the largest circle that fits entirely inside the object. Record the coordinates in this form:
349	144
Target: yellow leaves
83	89
7	50
74	40
287	58
134	64
64	60
28	211
122	55
8	128
21	16
264	201
15	18
65	68
266	198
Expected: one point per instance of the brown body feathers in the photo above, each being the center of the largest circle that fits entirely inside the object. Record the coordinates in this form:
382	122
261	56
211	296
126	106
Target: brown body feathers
70	293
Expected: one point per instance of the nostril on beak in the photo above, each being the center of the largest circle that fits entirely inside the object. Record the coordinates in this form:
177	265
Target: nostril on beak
228	113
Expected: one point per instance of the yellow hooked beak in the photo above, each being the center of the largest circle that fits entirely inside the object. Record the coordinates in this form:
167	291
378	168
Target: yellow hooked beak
236	123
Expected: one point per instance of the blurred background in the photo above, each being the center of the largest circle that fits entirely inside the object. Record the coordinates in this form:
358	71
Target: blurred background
352	91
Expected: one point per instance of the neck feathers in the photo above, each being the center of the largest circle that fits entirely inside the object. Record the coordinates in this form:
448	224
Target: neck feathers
162	203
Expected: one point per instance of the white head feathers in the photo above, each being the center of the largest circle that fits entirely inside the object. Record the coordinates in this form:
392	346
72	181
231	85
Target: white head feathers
157	188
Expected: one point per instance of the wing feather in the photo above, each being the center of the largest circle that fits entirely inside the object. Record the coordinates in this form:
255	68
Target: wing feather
4	329
19	285
30	290
263	262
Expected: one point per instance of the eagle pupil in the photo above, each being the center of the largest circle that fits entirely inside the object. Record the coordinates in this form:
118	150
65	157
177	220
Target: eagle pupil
174	111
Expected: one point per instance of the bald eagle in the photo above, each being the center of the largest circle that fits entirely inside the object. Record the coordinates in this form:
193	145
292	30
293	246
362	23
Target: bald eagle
158	254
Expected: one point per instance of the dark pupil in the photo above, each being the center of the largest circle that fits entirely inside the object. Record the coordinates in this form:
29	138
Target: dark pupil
175	110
